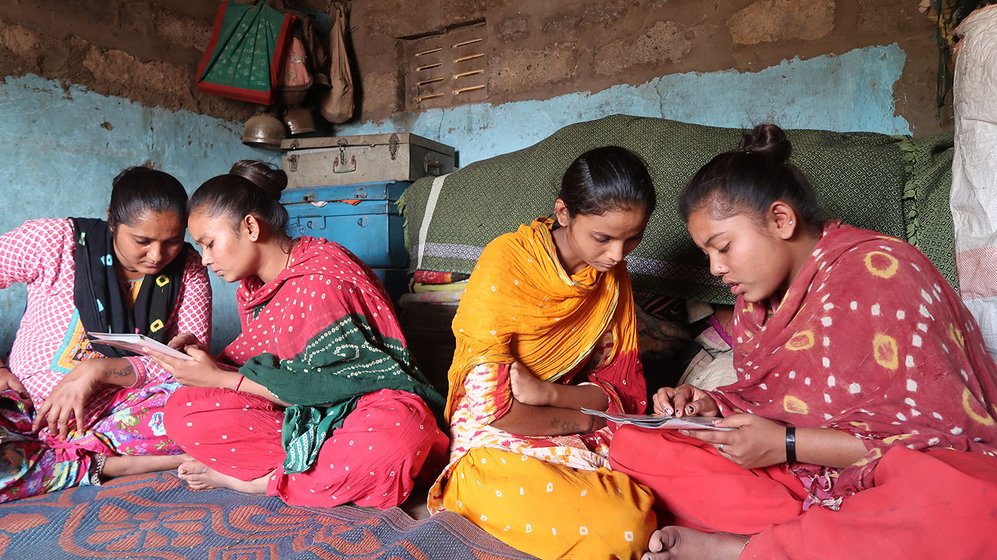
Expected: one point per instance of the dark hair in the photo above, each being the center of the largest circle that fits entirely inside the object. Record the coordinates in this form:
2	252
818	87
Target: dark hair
138	190
750	178
250	187
606	179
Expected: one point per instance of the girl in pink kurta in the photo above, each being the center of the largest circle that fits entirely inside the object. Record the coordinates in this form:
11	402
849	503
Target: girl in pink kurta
99	409
326	406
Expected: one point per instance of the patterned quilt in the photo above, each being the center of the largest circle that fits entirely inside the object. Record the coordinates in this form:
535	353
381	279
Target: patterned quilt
155	516
894	184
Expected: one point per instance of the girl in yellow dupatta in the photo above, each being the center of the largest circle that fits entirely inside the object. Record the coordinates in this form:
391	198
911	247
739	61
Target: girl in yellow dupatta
547	326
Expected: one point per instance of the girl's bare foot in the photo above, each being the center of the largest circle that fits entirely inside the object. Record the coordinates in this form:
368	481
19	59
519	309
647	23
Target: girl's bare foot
680	543
121	465
200	477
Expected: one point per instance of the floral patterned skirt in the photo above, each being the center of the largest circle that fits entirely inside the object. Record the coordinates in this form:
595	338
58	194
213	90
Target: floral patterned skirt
128	422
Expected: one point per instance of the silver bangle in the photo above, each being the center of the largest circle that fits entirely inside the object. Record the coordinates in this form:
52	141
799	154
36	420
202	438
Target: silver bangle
97	468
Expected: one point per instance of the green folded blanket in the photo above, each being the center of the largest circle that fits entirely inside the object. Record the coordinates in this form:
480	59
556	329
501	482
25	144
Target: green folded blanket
893	184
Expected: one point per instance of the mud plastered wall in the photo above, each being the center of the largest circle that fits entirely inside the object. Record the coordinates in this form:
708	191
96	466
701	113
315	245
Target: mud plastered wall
835	64
76	112
91	86
148	51
543	49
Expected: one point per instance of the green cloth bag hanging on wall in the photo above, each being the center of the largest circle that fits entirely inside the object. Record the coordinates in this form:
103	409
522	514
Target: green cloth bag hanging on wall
242	60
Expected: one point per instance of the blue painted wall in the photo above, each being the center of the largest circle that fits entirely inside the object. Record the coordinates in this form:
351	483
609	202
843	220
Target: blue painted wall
62	147
848	92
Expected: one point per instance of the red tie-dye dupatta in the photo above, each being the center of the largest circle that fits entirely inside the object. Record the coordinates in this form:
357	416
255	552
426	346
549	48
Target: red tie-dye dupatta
869	339
319	336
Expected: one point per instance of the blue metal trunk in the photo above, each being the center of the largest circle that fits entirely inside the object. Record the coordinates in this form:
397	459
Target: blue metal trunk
363	218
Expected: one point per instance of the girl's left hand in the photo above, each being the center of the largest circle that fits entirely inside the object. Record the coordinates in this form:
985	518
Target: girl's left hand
526	387
202	371
183	340
754	443
684	400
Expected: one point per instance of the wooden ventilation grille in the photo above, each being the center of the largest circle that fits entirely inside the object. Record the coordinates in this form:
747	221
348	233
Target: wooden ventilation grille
446	68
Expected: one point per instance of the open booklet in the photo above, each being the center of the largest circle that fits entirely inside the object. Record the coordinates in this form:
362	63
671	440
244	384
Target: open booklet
135	343
660	422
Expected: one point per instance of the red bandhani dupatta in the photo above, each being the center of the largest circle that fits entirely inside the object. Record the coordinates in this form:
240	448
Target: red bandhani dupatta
320	335
869	339
322	284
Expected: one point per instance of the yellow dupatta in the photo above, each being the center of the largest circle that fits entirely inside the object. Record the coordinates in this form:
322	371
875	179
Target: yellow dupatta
520	304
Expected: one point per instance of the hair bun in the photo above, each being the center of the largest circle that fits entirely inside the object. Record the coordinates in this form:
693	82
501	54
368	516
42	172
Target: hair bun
768	140
269	179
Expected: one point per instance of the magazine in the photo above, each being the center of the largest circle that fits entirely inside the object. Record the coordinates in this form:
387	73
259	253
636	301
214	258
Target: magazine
660	422
135	343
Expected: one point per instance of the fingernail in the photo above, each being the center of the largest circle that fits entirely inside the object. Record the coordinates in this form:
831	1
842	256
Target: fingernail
690	409
669	411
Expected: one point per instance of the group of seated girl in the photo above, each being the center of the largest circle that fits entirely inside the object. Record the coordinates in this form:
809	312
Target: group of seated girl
317	400
863	422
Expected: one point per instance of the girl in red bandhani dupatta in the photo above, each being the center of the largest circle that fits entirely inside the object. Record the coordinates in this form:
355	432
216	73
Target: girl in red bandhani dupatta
863	418
326	406
546	326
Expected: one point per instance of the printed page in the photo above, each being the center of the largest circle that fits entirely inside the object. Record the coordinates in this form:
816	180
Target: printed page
135	343
660	422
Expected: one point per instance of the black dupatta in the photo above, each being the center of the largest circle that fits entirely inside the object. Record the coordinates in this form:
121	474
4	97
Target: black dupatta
98	297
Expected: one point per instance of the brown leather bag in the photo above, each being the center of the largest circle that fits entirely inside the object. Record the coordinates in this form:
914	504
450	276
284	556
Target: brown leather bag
336	105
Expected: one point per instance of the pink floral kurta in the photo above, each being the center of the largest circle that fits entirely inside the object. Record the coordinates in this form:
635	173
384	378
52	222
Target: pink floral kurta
49	344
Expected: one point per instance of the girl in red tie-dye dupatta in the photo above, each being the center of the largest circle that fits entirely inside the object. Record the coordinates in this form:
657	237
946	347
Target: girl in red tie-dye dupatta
862	423
869	340
327	406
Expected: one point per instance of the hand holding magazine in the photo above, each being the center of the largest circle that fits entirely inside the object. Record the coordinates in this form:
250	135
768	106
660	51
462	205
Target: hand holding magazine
135	343
660	422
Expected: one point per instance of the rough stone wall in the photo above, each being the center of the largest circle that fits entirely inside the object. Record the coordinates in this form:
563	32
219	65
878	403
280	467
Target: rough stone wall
144	50
543	48
149	50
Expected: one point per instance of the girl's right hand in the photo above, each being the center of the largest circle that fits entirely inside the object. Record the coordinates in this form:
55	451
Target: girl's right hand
10	381
66	403
201	371
684	400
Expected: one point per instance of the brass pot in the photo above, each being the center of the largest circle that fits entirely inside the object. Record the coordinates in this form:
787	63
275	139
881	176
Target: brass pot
299	120
263	130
